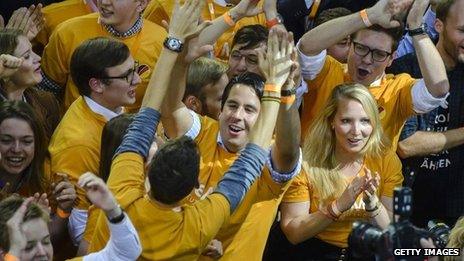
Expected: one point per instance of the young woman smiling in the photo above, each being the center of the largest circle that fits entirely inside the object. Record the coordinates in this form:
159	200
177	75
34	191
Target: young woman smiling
351	175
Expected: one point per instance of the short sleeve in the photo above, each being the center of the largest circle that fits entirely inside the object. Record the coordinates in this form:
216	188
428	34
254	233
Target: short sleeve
298	190
391	174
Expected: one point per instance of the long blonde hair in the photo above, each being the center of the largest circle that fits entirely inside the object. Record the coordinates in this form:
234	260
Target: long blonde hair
456	239
319	146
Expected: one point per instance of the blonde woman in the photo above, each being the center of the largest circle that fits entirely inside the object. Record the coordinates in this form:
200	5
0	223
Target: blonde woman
350	176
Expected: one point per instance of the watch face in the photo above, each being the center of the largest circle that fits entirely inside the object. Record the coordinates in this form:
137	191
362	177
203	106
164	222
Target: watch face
174	44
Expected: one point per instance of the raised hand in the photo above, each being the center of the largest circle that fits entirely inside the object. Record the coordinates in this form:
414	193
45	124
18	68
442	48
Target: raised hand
370	188
416	13
294	78
97	192
246	8
29	20
276	64
184	22
384	12
9	65
42	201
17	239
351	193
64	193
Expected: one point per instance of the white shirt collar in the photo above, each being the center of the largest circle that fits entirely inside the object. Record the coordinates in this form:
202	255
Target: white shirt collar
97	108
378	81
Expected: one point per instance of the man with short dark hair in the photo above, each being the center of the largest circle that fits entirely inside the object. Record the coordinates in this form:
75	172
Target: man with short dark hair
119	20
182	231
374	38
431	144
106	76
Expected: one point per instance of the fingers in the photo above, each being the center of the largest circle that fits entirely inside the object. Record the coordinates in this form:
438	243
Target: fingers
18	216
165	25
2	22
84	179
10	61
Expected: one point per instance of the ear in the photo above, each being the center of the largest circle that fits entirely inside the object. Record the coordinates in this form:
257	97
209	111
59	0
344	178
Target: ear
96	85
141	5
439	25
193	103
391	58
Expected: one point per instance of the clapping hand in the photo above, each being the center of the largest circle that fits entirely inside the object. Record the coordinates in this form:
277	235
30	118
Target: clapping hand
384	12
370	188
351	193
29	20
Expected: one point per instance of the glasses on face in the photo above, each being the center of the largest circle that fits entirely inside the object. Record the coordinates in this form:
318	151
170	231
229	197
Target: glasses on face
128	77
376	54
250	59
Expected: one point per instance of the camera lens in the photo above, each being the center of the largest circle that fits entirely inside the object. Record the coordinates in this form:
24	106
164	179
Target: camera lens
364	239
440	233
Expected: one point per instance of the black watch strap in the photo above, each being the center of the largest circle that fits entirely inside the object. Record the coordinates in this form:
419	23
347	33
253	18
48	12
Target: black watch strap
286	93
117	219
418	31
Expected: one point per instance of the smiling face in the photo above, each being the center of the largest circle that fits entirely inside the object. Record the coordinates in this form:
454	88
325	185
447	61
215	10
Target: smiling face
352	127
119	91
363	69
121	14
29	73
39	246
17	145
238	116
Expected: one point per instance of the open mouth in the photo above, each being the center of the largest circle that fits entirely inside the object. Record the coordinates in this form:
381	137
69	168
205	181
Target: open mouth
235	130
105	13
355	142
15	161
363	72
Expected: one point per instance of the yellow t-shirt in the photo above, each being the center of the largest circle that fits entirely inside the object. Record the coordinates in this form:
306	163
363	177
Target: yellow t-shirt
165	234
144	46
57	13
393	97
262	199
158	10
75	145
389	169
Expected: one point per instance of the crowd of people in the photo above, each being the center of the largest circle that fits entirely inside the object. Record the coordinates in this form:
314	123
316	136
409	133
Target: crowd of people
226	129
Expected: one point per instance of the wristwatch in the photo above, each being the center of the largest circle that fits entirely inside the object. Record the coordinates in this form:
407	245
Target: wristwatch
173	44
277	20
422	29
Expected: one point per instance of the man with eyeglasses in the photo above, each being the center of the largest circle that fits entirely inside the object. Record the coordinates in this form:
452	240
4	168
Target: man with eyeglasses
118	19
374	38
106	77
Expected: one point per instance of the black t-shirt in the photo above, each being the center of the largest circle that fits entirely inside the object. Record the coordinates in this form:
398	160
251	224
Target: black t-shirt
438	180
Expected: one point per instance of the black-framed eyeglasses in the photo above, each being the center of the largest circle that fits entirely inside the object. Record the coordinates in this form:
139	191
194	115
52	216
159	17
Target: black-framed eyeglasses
250	59
128	77
376	54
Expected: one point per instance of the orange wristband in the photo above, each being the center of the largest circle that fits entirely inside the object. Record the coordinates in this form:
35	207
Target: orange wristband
287	99
365	18
62	214
228	19
10	257
268	87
